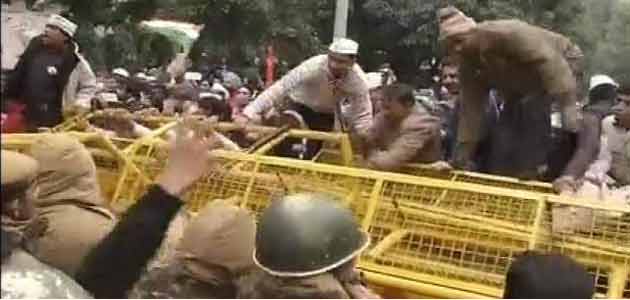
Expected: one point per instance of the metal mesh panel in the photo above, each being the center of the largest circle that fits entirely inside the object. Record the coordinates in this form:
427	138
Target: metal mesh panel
626	290
333	157
465	236
109	164
601	278
456	230
594	229
597	237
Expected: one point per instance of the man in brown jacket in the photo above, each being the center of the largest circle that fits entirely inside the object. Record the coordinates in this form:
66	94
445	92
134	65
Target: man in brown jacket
23	275
69	199
516	59
403	132
214	252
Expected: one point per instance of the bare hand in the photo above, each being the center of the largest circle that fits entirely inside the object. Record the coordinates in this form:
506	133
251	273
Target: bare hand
565	185
241	120
439	166
188	161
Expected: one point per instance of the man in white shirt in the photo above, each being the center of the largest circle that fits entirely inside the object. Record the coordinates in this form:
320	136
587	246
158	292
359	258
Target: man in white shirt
315	90
614	156
608	178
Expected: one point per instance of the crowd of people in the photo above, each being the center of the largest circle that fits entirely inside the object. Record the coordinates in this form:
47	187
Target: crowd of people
510	102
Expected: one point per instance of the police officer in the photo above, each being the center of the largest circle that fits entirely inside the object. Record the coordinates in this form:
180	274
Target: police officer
306	246
68	195
214	252
23	276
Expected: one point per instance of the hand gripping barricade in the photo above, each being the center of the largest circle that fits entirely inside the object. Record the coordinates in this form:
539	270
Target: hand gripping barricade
102	120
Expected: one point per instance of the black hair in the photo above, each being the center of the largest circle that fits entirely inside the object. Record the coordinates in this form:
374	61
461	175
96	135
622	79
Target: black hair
603	92
403	93
534	276
448	61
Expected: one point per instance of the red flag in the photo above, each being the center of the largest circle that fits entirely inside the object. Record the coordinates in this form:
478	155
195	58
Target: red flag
270	64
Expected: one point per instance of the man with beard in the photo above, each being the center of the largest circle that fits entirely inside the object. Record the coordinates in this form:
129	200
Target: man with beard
317	88
51	76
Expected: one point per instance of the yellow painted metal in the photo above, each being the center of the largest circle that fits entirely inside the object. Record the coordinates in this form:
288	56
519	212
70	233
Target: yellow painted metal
109	160
448	235
425	289
618	282
431	236
372	204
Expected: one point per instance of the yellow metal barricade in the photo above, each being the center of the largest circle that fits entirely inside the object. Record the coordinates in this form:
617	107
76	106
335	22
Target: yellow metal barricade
626	291
451	234
110	161
149	154
600	239
437	237
334	157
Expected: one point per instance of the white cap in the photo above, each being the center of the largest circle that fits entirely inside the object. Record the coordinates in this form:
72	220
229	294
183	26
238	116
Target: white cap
193	76
206	95
63	24
141	75
374	80
344	46
600	79
121	72
244	90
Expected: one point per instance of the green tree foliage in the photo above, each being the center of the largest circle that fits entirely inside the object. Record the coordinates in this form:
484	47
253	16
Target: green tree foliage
612	52
402	32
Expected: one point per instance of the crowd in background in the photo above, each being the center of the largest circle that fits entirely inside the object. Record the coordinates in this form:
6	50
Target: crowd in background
508	102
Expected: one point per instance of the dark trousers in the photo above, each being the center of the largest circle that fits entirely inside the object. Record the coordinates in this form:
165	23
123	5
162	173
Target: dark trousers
315	121
519	143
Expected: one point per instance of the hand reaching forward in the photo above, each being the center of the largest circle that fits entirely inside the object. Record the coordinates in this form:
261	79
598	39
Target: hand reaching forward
189	160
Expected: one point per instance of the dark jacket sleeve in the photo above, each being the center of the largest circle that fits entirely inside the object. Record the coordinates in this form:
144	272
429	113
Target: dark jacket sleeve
14	82
116	263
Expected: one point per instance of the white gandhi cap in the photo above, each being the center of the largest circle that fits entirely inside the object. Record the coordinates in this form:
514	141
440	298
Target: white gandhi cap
121	72
193	76
63	24
344	46
598	80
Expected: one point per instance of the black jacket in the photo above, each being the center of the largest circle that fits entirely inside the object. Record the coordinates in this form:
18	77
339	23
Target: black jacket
116	263
15	83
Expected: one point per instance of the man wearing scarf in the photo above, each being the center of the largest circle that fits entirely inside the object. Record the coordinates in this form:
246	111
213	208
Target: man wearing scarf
69	199
52	77
214	253
23	275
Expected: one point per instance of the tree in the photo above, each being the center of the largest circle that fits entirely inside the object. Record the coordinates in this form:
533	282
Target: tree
613	50
402	32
